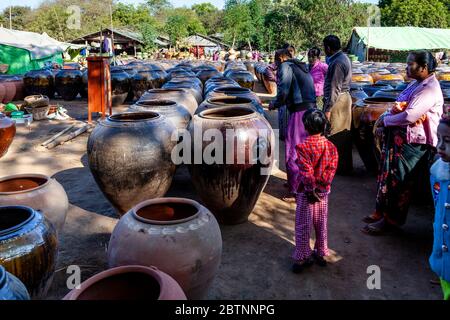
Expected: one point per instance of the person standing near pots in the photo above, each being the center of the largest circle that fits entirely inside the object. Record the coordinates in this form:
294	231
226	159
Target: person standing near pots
318	70
337	102
408	140
295	89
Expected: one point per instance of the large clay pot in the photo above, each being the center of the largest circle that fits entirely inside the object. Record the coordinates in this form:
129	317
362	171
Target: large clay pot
176	113
182	96
214	83
357	94
205	75
392	83
362	77
175	73
230	101
120	86
390	93
68	83
158	79
128	283
130	157
10	88
203	67
231	187
237	92
39	192
195	90
140	83
28	247
391	77
244	78
178	236
11	288
39	82
17	80
372	88
191	79
364	114
7	133
250	65
444	75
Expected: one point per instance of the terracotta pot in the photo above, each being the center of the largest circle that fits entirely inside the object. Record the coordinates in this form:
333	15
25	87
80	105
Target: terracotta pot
128	283
217	82
178	236
68	83
120	86
159	77
177	114
10	88
20	88
372	88
183	97
362	78
230	101
37	191
195	90
391	77
38	82
28	247
2	91
137	148
178	72
7	133
11	288
230	190
244	78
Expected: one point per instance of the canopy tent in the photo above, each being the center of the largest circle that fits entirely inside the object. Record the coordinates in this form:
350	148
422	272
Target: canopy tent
23	51
397	39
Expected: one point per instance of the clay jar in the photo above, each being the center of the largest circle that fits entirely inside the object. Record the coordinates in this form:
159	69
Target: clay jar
230	101
230	185
244	78
130	157
11	288
357	94
362	77
372	88
28	248
390	93
205	74
236	91
39	192
217	82
177	114
178	236
194	89
128	283
68	83
120	86
182	96
140	83
7	133
10	87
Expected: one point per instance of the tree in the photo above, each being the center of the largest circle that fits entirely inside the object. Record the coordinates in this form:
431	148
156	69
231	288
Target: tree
417	13
239	26
181	23
210	16
20	16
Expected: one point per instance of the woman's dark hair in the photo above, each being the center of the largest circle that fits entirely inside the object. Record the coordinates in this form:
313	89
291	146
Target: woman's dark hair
315	121
332	42
289	48
282	53
314	52
425	58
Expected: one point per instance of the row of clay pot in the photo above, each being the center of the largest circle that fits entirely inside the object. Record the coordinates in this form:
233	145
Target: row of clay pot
11	88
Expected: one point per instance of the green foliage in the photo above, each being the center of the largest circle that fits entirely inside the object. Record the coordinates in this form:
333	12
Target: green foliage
417	13
181	23
239	27
210	16
19	17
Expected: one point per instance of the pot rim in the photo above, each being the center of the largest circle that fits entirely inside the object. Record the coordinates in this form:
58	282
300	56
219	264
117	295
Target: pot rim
145	203
150	270
156	103
112	118
204	114
16	227
25	175
231	89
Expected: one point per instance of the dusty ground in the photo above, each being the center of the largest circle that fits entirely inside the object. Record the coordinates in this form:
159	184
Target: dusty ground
256	255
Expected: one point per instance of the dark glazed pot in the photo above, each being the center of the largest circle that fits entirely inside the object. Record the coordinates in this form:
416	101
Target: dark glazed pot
205	74
38	82
232	183
236	91
140	83
68	83
128	283
7	133
130	157
372	88
11	288
230	101
389	93
28	247
178	236
244	78
182	96
193	88
120	86
177	114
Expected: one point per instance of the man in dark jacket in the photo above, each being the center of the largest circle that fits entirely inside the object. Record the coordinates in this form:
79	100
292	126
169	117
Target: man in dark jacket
338	102
295	89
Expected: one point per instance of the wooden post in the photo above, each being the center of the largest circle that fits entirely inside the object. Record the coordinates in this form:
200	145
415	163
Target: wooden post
99	86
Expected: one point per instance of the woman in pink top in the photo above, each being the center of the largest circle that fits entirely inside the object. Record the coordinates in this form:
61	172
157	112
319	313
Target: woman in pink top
318	71
409	139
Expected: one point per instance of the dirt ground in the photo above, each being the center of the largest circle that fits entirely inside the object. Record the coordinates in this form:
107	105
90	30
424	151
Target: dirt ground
256	255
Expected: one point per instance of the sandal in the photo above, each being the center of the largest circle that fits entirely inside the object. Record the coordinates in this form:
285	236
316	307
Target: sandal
374	217
299	266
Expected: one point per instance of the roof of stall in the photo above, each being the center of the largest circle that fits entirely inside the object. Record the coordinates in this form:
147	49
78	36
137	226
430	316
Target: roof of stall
402	38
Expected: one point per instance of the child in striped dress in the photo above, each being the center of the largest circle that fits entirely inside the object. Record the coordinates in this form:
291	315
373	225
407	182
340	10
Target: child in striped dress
317	159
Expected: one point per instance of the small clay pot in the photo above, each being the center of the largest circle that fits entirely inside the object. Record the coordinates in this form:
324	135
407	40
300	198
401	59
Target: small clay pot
11	288
128	283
